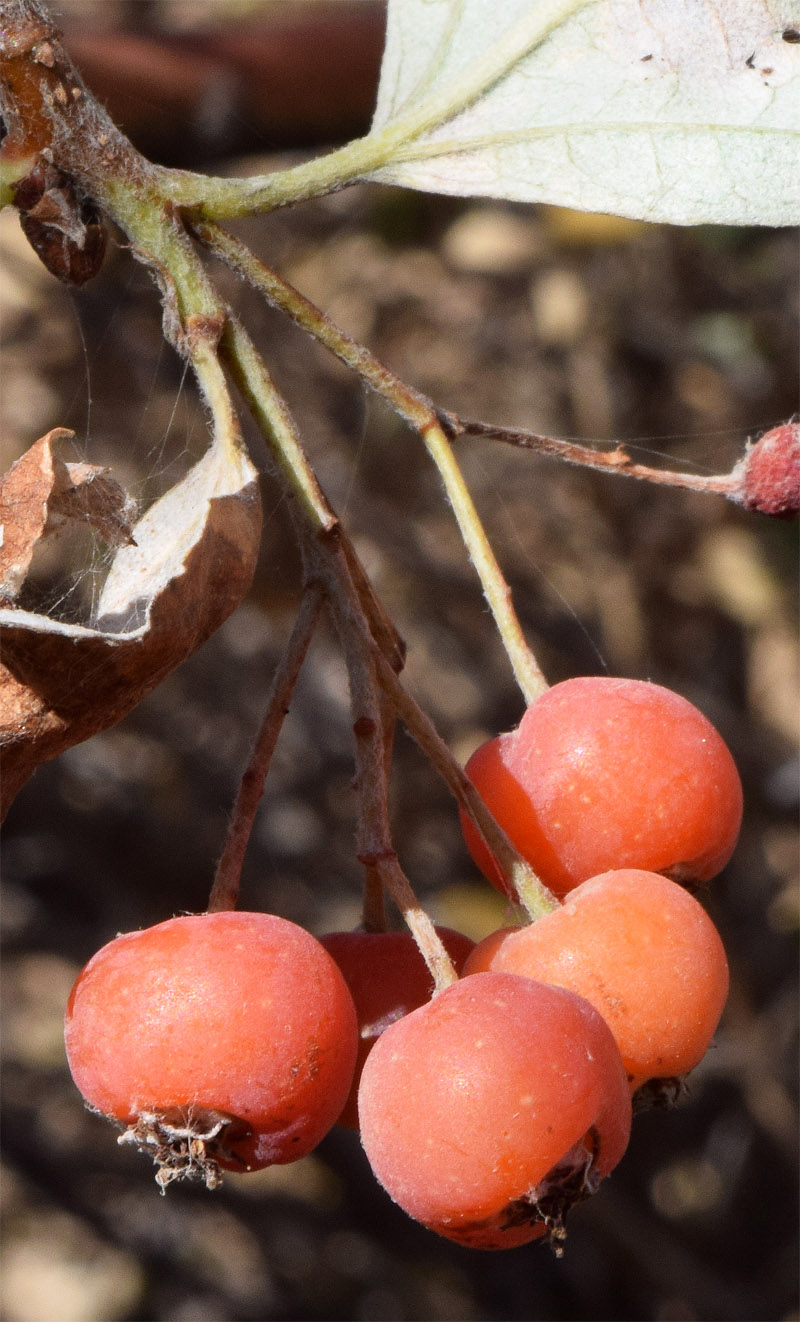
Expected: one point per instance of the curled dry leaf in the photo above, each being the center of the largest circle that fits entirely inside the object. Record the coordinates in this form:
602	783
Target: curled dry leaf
184	568
41	492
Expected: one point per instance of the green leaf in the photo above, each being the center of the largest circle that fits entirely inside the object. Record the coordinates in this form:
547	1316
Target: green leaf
670	110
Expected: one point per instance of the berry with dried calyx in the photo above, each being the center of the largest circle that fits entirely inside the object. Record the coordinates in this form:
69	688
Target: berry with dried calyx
490	1111
221	1040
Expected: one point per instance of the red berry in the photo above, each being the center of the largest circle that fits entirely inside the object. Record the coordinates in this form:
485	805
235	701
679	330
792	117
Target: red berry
642	951
387	978
609	773
768	476
223	1039
489	1111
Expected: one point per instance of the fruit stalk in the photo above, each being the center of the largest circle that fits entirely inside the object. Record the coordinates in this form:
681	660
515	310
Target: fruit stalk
374	846
524	883
225	889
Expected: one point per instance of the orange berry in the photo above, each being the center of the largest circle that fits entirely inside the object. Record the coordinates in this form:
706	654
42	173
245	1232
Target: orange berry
642	951
223	1039
492	1109
609	773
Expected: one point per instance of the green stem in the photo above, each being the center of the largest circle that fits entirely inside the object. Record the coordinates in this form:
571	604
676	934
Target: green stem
162	243
275	421
527	671
413	406
421	414
277	425
224	199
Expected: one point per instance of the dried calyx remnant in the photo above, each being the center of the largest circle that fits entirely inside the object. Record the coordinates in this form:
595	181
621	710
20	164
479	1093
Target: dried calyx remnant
572	1181
183	1145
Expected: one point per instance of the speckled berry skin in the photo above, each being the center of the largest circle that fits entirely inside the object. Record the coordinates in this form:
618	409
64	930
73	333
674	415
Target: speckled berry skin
642	951
243	1014
606	773
469	1105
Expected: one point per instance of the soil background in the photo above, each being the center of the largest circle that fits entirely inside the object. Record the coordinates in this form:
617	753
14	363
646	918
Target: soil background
680	343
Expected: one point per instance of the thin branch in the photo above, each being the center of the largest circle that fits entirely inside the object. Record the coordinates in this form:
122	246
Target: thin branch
428	941
275	421
413	406
523	882
373	903
362	625
420	413
418	410
383	628
225	890
616	461
374	846
373	907
278	427
527	671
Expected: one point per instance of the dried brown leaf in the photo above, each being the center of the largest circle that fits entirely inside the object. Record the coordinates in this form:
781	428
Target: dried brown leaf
40	493
89	494
186	567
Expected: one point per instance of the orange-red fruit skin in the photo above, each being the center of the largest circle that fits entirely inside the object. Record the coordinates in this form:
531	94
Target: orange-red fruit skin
388	978
642	951
241	1013
609	773
468	1103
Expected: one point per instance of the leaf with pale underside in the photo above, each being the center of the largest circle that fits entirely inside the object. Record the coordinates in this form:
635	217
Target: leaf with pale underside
685	111
184	569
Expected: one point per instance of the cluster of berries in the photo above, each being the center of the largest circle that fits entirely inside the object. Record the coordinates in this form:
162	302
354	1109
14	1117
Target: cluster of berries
236	1040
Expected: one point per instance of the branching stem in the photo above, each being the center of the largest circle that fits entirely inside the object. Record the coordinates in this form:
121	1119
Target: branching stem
420	413
362	625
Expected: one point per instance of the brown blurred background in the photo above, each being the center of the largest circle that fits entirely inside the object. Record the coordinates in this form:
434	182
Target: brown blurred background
679	342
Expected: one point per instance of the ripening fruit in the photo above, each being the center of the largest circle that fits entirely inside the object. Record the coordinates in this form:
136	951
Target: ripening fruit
492	1109
223	1039
387	978
642	951
609	773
